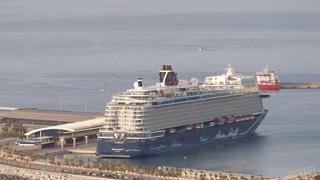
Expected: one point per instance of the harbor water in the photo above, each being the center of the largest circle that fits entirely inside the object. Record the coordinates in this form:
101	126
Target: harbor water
75	55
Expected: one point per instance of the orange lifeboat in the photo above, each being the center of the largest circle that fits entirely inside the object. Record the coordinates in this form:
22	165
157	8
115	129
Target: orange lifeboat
172	130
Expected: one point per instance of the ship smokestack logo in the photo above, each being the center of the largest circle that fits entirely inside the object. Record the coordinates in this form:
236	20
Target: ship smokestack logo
167	76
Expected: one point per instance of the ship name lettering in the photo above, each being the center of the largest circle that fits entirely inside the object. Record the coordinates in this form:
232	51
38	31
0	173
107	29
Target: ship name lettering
232	134
117	150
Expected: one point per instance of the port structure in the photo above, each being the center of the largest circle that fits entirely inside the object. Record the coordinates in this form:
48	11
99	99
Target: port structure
48	128
66	133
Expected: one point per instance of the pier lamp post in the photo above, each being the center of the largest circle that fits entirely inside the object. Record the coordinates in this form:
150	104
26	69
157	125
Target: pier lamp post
60	107
60	99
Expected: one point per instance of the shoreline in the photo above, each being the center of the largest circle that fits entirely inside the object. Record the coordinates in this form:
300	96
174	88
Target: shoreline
21	172
15	164
30	173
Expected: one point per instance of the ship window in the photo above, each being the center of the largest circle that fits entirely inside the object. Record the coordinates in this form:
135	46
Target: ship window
131	140
161	74
159	133
171	79
182	129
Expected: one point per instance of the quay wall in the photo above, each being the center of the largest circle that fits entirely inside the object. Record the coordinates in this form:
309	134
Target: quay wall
300	85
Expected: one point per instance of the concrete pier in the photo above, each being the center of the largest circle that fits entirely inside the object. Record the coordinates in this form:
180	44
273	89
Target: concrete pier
300	85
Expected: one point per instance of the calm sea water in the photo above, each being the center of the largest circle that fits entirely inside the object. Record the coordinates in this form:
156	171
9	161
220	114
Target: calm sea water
80	47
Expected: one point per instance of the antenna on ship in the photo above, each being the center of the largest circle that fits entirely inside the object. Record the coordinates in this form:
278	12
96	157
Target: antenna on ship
266	69
230	70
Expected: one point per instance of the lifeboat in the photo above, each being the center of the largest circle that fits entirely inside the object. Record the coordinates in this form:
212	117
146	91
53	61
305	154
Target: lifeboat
198	126
189	127
237	119
172	130
221	120
230	119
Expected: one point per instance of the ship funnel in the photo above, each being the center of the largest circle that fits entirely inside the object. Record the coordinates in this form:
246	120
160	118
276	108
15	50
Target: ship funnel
167	76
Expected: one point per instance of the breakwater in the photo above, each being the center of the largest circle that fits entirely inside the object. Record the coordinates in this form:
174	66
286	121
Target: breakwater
300	85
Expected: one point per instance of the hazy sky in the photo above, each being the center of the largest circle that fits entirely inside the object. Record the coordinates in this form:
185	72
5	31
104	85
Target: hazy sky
42	36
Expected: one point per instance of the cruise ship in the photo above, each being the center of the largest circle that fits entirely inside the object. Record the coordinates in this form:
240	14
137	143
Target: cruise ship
176	115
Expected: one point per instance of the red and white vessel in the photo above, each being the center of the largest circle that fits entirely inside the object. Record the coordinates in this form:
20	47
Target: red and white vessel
267	80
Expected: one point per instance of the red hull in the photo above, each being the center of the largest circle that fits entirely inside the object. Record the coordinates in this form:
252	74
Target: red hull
269	86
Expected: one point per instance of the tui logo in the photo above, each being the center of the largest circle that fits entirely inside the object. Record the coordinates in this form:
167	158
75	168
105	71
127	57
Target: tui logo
119	137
